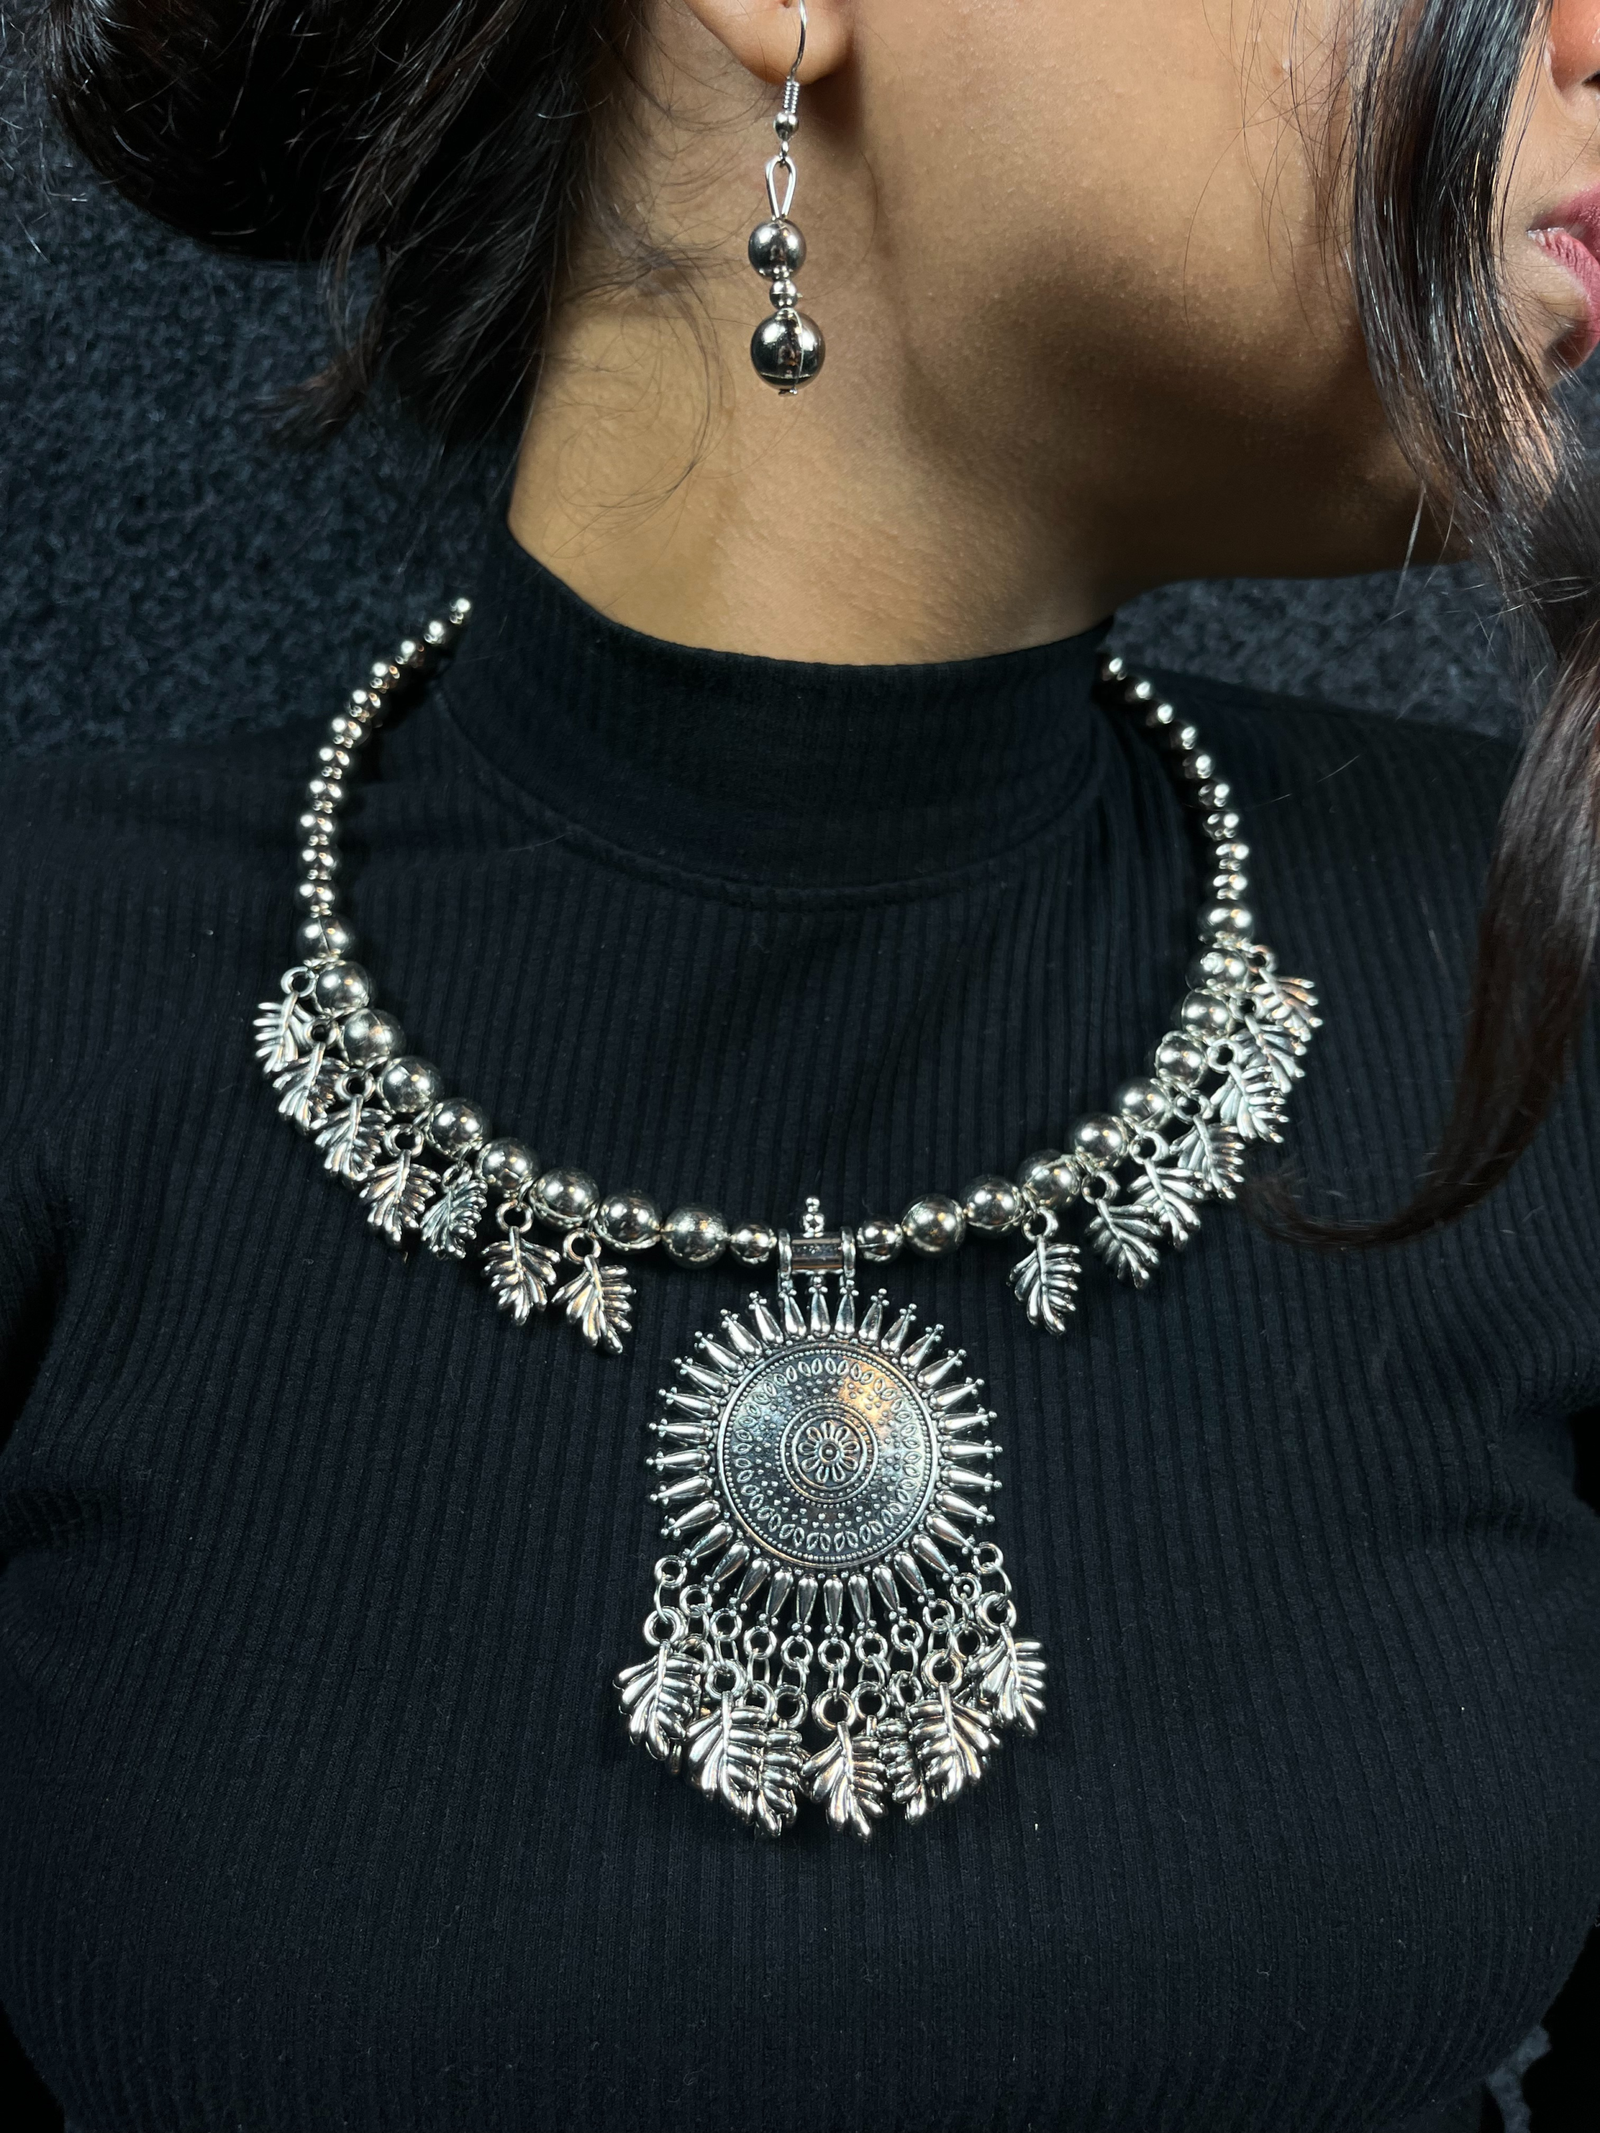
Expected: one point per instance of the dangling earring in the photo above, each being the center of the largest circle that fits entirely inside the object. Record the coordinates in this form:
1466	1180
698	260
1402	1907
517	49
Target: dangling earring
786	348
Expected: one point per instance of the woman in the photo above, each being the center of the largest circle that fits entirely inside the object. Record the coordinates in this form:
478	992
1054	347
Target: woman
774	837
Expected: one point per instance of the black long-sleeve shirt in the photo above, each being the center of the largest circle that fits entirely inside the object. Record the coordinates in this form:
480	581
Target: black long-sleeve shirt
318	1810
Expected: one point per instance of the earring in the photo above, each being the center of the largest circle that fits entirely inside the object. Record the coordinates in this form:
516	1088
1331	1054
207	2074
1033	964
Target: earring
787	348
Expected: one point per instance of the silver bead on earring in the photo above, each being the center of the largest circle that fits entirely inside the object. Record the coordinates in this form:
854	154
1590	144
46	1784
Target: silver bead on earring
787	348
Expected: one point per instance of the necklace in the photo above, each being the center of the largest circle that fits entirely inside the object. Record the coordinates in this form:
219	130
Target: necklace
816	1448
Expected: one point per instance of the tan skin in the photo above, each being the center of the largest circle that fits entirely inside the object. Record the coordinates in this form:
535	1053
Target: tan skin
1085	332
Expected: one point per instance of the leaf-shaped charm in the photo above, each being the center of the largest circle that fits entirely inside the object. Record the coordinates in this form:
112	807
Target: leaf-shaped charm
1248	1098
902	1772
351	1140
1127	1239
521	1274
396	1195
1290	1001
1009	1676
1167	1193
846	1778
1280	1052
1046	1282
452	1221
783	1758
1214	1156
282	1030
725	1754
306	1090
659	1699
599	1301
953	1743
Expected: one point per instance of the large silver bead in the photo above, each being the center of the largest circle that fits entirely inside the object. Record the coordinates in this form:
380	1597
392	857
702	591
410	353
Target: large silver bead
457	1126
1180	1058
371	1036
753	1242
319	938
787	350
1050	1177
776	248
878	1239
1099	1140
410	1085
1229	922
991	1205
1141	1102
1205	1014
695	1235
934	1224
566	1199
506	1166
629	1220
341	988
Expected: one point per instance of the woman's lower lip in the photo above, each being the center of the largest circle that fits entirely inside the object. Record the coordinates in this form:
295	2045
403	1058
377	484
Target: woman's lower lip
1572	253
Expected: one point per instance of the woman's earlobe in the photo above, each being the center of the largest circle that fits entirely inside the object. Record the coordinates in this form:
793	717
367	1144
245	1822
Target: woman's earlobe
764	35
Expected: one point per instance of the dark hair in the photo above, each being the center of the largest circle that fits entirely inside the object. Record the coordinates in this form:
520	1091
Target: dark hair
453	139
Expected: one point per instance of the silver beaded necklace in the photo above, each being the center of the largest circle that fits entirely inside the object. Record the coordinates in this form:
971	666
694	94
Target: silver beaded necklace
816	1449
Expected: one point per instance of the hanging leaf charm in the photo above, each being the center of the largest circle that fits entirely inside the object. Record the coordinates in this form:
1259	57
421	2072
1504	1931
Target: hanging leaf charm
902	1772
846	1778
1127	1239
1248	1099
1046	1281
953	1742
783	1756
399	1191
725	1753
352	1138
452	1221
1167	1194
599	1298
283	1027
1214	1156
659	1698
1280	1051
306	1090
521	1273
1009	1677
1289	1001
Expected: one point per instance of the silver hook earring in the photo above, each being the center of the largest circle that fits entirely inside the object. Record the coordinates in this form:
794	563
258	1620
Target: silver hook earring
787	348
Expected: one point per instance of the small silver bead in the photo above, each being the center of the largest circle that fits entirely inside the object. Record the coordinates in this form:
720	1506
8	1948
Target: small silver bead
334	758
879	1239
1233	922
314	895
1180	1059
460	613
991	1205
319	938
1231	853
776	248
315	828
320	862
695	1235
345	732
1199	768
1221	823
456	1126
409	1085
1099	1140
1184	739
1205	1014
1113	667
629	1220
329	791
785	124
341	988
1142	1102
371	1036
1230	885
1218	969
934	1224
566	1199
1216	792
1143	692
754	1243
1050	1177
506	1166
783	292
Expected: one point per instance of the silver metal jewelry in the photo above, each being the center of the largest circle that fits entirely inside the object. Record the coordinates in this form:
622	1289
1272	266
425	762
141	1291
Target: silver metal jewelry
816	1452
787	347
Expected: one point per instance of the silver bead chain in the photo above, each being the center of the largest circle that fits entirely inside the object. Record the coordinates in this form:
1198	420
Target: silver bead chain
426	1161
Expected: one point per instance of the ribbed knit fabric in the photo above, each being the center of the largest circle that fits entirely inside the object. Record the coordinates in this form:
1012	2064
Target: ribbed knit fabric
318	1811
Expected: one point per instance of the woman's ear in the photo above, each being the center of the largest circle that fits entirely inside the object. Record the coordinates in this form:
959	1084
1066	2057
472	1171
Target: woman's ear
764	35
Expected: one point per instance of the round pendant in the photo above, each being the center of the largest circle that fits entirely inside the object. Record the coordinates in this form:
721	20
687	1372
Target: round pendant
823	1490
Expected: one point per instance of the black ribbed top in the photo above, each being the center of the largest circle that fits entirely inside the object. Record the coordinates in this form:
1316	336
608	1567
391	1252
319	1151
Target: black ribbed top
318	1810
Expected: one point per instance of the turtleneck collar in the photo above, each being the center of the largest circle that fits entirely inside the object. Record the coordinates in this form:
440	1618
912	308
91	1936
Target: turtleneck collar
766	770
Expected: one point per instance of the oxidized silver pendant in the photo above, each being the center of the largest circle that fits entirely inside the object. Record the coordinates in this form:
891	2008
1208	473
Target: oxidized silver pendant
823	1482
